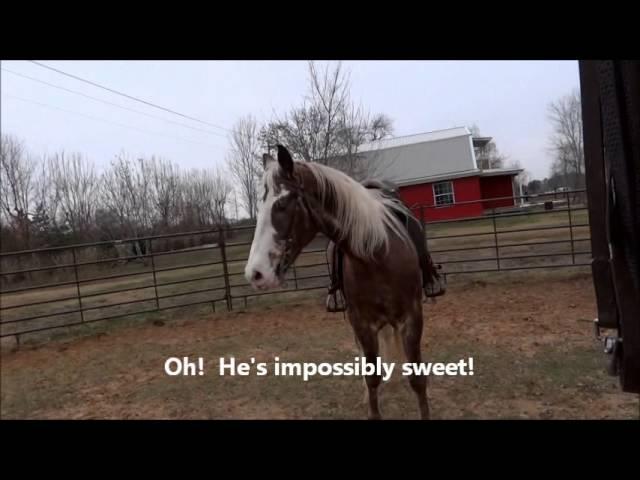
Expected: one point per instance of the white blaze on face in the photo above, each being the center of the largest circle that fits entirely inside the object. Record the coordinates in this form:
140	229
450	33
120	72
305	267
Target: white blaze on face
265	252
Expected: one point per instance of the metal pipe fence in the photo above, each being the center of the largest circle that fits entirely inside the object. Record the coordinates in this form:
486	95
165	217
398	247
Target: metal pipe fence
531	235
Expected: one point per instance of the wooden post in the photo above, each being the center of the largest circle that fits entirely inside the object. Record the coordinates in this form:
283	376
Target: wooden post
223	253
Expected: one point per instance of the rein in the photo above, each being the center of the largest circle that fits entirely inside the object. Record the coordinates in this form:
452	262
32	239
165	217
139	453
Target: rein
313	208
297	189
322	222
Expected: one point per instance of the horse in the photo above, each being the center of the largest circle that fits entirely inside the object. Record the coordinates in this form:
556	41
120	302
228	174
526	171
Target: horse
382	280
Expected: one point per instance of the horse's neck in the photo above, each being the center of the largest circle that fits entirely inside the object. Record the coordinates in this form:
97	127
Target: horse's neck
324	210
325	217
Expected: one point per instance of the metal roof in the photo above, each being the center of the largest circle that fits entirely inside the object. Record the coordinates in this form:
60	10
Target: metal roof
416	138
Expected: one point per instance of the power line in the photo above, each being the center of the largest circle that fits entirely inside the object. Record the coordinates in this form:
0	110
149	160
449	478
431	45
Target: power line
110	103
127	96
109	121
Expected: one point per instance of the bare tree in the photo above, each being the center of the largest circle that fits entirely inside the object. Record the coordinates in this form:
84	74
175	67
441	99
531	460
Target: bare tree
75	185
329	128
330	96
244	162
165	192
205	195
381	126
233	204
566	141
45	226
126	190
221	191
195	191
18	182
358	128
114	199
63	199
560	166
47	201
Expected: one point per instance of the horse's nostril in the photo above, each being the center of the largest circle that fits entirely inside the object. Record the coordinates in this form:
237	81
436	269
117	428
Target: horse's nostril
257	276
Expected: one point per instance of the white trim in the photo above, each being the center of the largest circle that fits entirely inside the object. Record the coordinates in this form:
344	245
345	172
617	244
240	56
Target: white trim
492	172
437	178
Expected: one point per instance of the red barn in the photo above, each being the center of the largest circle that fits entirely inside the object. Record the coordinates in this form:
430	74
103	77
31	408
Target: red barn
440	172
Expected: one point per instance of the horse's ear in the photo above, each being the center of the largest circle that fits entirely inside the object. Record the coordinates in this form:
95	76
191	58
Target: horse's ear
285	160
266	160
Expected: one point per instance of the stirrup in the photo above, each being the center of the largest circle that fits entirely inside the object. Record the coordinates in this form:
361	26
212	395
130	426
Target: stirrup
437	288
335	301
431	291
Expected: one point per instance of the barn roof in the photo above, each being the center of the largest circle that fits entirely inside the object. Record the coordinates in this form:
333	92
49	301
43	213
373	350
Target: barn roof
415	138
429	157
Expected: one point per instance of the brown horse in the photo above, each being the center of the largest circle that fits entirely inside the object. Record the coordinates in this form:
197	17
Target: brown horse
381	273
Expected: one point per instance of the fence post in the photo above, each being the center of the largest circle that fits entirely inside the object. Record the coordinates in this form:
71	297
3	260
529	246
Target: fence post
75	271
573	254
153	269
295	276
225	270
495	236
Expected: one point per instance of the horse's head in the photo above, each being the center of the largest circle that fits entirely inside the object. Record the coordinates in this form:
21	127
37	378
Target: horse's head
284	225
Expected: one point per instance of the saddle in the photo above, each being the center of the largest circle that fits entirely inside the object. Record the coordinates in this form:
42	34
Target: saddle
433	284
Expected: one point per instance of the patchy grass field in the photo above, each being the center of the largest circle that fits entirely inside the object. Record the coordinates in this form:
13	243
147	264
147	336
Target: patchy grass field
530	335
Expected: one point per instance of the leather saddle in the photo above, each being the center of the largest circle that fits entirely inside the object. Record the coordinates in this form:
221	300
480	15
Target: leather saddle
434	284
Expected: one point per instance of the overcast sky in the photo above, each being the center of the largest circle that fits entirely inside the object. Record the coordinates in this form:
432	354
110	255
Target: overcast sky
506	99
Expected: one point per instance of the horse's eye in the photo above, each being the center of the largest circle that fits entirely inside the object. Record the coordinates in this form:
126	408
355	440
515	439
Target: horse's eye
278	206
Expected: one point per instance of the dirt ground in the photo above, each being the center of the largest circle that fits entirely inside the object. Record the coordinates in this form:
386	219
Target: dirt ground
530	335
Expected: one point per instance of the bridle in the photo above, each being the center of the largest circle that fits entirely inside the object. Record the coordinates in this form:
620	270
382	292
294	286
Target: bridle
298	196
313	210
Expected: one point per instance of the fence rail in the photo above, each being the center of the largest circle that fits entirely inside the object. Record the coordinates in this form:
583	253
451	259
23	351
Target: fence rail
67	286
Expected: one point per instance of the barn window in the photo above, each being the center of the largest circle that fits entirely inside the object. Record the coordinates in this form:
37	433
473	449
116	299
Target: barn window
443	193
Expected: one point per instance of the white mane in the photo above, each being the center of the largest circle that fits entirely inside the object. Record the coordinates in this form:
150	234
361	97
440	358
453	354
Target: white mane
365	215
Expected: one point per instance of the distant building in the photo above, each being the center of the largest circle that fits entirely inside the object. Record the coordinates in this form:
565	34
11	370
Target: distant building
440	171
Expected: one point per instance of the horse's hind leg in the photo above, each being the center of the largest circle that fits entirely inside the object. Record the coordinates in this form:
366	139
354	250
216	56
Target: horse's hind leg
411	335
368	340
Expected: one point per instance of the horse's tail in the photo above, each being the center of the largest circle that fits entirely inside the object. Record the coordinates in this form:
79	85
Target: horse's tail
391	348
